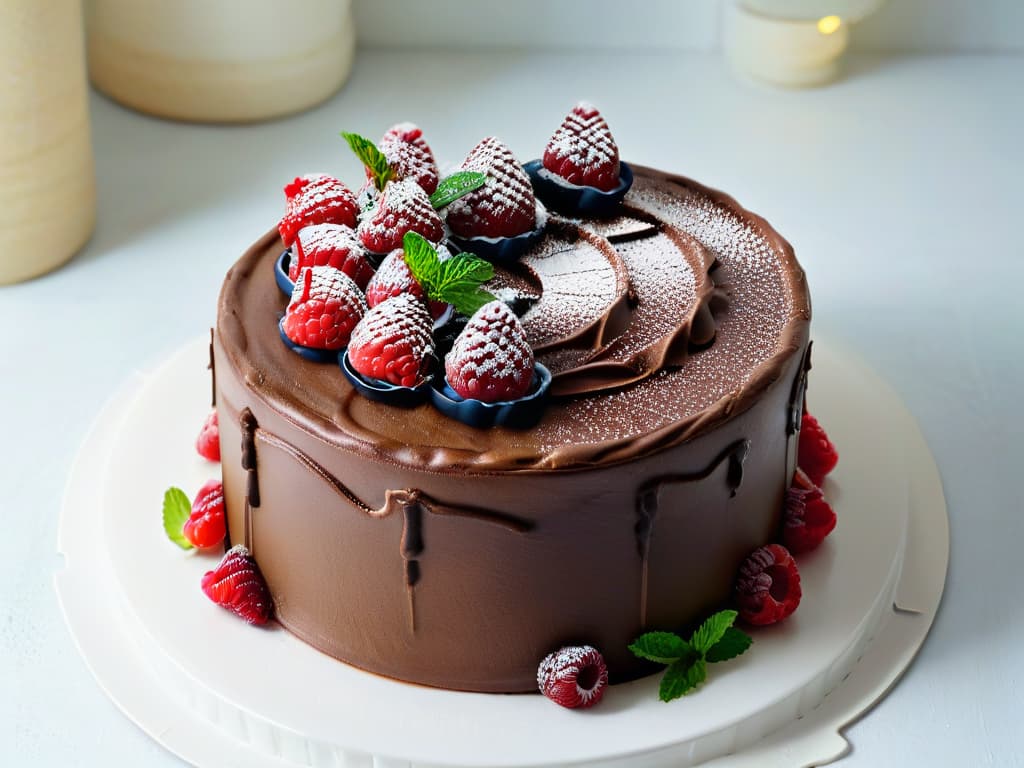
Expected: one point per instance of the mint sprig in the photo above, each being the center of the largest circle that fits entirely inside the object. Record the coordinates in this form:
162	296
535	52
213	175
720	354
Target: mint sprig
686	661
451	188
177	509
455	281
370	156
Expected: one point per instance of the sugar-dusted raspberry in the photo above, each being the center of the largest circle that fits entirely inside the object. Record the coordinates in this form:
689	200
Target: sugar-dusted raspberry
582	150
574	677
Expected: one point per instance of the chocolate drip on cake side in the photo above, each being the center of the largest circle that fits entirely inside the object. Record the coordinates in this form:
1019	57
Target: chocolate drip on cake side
412	503
212	368
247	421
648	496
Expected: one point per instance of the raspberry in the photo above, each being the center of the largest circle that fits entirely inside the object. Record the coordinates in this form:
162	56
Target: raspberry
325	307
491	360
808	518
582	150
316	199
768	586
208	441
394	342
206	527
394	277
331	245
301	182
409	156
574	677
816	455
504	206
237	584
403	207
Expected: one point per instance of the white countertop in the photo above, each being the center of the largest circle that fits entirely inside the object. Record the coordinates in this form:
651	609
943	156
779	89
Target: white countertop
900	188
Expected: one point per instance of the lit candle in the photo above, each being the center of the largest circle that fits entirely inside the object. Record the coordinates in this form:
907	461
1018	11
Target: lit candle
791	42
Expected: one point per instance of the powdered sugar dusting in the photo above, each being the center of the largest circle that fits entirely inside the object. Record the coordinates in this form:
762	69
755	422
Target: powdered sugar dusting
665	287
760	303
579	284
491	356
409	155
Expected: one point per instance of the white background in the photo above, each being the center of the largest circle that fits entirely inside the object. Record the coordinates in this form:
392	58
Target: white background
900	188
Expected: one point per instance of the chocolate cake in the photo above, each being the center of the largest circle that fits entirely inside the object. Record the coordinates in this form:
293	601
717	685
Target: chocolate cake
410	544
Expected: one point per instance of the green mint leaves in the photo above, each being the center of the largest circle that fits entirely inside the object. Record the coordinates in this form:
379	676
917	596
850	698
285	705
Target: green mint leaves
455	281
371	157
455	186
177	509
715	640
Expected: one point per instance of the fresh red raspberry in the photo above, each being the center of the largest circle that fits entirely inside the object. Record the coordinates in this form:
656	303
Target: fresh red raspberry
768	586
394	342
491	360
208	441
325	307
293	188
331	245
403	207
574	677
319	200
206	527
582	150
409	156
504	206
816	455
807	518
237	584
394	277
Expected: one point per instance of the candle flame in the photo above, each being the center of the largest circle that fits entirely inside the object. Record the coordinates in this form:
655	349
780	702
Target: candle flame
829	24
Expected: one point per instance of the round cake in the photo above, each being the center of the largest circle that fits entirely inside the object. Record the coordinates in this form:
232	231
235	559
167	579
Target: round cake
675	328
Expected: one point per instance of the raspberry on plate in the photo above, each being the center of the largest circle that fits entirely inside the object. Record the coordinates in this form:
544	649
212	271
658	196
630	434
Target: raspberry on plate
409	156
768	586
319	199
504	206
208	441
331	245
237	584
206	526
403	207
574	677
394	342
582	150
816	455
491	360
325	307
807	517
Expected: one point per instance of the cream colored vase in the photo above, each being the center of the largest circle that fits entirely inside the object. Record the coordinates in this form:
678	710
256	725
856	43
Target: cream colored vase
220	60
47	197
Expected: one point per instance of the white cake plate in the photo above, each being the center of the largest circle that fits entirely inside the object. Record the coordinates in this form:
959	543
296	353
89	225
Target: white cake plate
217	692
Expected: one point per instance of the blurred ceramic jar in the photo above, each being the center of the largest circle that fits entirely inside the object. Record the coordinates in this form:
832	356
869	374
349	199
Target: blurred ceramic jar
47	198
220	60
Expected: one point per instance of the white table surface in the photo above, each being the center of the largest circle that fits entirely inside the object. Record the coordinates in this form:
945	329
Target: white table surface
900	188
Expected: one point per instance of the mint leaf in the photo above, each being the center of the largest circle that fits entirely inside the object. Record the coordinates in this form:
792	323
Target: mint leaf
177	508
467	300
711	631
422	259
662	647
455	186
370	156
681	677
733	643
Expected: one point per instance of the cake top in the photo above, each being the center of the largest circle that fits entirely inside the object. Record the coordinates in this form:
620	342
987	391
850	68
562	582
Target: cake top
655	320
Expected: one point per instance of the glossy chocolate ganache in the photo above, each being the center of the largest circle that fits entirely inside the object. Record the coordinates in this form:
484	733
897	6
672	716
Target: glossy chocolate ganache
415	546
